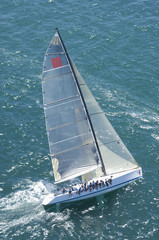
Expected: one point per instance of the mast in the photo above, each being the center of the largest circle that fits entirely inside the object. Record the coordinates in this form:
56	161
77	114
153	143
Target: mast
89	119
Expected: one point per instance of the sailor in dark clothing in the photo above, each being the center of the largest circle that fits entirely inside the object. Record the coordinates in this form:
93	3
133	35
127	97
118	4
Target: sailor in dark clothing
63	189
102	183
96	184
106	182
110	180
90	186
79	191
70	191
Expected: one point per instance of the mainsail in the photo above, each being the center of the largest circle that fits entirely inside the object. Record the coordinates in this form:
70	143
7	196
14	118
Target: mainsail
72	145
79	134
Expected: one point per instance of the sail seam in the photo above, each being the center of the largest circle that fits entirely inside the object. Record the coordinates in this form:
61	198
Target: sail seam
70	149
47	54
66	124
55	69
70	138
63	99
49	78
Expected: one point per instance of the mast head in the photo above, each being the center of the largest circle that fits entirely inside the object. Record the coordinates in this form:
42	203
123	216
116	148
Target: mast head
56	39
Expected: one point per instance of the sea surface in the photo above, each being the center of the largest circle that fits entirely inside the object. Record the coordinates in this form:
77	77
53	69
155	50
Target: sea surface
115	45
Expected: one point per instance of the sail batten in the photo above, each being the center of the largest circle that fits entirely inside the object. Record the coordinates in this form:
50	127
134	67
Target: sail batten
58	53
50	70
66	124
49	78
62	100
70	149
68	139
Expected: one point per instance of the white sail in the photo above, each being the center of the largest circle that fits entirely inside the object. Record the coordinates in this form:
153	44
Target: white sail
72	145
115	155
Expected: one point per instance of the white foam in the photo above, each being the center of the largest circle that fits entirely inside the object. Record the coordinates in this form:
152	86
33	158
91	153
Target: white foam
23	206
145	120
155	136
146	127
34	193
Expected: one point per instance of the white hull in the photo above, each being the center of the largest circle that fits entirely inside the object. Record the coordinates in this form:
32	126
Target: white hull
119	180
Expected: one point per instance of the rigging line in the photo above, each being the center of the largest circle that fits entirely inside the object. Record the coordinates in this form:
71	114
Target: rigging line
90	122
63	99
70	149
71	138
54	69
65	124
48	78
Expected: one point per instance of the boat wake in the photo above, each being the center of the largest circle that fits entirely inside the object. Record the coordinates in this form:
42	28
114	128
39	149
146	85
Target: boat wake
32	194
20	210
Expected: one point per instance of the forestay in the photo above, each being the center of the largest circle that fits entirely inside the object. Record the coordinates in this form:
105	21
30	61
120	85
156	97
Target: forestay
115	155
72	145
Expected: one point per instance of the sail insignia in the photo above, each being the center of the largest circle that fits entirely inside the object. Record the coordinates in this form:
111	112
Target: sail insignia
56	62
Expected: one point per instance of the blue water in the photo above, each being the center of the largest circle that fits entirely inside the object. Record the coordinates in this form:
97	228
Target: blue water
115	47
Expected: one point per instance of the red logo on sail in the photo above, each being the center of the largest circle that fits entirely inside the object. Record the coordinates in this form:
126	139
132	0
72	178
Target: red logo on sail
56	62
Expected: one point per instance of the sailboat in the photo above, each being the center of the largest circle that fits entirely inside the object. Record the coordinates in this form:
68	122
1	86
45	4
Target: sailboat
82	141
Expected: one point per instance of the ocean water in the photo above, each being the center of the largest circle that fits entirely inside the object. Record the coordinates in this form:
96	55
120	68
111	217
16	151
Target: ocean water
115	47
